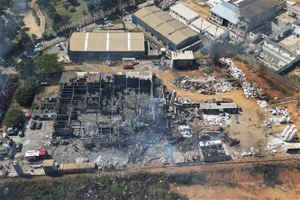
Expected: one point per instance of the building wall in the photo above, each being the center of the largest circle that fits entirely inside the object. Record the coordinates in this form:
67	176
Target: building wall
296	30
216	18
83	55
278	52
182	18
182	63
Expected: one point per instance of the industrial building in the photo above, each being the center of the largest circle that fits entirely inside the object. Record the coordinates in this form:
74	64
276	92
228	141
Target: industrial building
182	59
281	49
110	45
183	13
164	28
205	27
242	16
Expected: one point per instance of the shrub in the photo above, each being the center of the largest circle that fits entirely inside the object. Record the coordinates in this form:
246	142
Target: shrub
72	9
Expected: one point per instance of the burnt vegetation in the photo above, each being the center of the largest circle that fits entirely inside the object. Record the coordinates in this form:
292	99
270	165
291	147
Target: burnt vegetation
138	186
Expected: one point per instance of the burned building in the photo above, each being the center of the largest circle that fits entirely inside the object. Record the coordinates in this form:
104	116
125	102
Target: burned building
219	106
104	103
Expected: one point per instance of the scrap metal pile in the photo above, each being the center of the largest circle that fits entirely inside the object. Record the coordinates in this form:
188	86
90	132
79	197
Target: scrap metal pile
209	85
251	90
281	115
162	64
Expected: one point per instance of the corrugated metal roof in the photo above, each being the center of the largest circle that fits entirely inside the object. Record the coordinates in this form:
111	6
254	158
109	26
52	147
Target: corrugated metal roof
227	11
184	11
165	24
107	41
251	8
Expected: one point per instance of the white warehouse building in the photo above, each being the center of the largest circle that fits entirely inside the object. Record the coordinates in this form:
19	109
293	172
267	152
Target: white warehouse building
183	13
205	27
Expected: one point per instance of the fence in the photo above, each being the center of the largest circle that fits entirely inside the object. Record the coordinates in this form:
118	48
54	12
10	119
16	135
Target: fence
270	71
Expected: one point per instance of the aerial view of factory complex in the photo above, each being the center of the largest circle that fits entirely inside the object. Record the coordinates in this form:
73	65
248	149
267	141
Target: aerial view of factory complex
178	84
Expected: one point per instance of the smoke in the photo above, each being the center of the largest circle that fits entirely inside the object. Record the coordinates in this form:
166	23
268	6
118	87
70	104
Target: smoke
5	48
7	33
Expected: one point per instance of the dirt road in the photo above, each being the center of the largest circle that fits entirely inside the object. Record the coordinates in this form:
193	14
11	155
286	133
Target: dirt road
30	21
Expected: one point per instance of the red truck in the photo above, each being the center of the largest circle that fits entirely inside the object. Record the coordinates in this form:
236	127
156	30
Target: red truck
128	66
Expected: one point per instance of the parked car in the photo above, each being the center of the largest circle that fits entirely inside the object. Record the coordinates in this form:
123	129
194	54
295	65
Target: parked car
109	25
38	45
59	47
32	125
12	131
19	147
102	26
135	62
21	133
39	125
128	67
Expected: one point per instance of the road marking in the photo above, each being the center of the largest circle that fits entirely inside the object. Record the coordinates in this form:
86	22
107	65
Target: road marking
86	41
107	41
128	39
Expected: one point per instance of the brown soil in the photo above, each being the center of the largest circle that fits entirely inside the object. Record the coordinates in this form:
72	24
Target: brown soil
242	191
30	23
238	183
203	11
273	86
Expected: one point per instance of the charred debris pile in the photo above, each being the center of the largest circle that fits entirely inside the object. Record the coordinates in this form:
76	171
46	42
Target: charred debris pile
131	112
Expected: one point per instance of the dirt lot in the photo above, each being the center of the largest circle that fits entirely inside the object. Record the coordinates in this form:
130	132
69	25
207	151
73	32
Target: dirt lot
238	183
203	11
32	25
273	86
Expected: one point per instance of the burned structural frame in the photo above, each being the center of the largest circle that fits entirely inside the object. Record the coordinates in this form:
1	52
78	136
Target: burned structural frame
82	93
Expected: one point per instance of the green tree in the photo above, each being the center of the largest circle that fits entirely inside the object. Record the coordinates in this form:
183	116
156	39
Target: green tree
26	68
13	116
51	11
33	82
48	64
72	9
34	37
24	95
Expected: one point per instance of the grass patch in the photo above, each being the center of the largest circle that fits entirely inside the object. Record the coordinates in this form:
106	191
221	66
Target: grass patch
117	21
76	15
269	172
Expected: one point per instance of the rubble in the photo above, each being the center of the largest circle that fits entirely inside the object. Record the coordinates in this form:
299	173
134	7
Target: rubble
185	131
162	64
262	103
233	69
283	113
216	119
250	89
209	85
